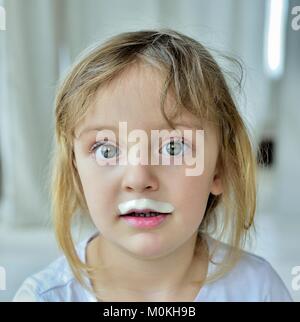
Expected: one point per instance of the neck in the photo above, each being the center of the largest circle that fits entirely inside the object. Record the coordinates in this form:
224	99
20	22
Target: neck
127	274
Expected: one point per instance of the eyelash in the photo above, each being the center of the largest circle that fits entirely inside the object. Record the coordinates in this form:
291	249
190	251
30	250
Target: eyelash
96	145
100	143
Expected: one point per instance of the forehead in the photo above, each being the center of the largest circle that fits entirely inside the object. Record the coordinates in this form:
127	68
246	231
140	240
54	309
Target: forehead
133	97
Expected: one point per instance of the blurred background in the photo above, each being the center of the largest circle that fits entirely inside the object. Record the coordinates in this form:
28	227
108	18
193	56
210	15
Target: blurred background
39	39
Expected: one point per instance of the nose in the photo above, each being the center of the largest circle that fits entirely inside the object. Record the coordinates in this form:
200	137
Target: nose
139	178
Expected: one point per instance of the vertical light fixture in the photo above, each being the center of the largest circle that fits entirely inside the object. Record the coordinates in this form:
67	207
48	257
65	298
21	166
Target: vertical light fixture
275	31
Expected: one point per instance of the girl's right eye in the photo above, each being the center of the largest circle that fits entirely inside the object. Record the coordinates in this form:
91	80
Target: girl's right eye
104	150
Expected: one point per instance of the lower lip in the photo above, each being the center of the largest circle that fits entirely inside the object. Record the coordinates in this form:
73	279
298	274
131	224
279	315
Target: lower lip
145	222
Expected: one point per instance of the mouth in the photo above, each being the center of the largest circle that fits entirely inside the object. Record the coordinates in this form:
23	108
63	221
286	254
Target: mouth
145	218
146	213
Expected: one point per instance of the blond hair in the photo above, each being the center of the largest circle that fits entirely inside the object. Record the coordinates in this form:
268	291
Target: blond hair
199	86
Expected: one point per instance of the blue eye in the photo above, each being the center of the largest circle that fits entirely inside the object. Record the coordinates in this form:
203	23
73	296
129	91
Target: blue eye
175	147
105	149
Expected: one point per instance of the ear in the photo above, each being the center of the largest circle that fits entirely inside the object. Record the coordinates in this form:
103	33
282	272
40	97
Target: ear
217	185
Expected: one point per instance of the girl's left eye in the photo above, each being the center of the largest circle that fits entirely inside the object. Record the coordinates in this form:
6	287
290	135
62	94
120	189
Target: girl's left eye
174	147
106	150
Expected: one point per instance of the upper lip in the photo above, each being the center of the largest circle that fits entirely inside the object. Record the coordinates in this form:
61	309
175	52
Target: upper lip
145	205
141	210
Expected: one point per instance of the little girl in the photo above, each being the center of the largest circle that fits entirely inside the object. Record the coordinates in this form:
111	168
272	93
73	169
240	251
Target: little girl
161	234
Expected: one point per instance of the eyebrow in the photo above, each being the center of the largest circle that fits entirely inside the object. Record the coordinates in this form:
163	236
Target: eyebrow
96	128
114	128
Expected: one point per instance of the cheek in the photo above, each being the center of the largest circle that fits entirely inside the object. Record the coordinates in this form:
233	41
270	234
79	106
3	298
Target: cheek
98	187
191	194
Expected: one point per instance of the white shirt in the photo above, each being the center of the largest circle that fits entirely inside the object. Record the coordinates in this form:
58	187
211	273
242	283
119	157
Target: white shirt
252	279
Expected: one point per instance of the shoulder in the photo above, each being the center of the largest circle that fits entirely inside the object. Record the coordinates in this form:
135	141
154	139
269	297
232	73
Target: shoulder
252	279
259	279
53	283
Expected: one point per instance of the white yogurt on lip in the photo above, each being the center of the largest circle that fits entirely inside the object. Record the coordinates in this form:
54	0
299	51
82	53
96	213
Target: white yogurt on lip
145	203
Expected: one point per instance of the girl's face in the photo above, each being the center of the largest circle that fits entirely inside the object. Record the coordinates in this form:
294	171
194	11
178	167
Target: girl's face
134	97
